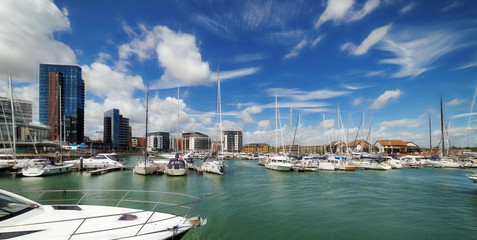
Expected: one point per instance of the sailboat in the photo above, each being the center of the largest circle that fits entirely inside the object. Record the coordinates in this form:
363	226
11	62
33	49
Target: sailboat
213	164
145	167
445	161
278	162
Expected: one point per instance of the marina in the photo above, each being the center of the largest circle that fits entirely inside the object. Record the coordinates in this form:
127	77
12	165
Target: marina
250	200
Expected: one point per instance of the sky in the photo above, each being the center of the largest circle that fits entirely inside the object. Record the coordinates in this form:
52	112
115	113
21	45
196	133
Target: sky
331	62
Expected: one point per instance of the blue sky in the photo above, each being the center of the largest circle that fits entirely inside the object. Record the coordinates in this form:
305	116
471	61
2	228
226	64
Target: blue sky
389	59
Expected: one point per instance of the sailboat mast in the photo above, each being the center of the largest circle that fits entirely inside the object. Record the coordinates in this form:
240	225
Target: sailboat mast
147	109
442	131
219	106
276	124
13	117
430	137
178	135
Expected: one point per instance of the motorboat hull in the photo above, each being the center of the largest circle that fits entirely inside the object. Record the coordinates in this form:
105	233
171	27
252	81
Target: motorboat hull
39	171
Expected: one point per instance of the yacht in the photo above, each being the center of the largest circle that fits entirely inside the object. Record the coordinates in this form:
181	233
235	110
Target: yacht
43	167
145	168
101	160
279	163
213	166
473	177
68	218
176	167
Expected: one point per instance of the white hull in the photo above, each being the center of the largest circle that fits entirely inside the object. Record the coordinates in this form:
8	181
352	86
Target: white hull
176	172
93	222
144	170
213	167
283	167
473	177
38	171
326	166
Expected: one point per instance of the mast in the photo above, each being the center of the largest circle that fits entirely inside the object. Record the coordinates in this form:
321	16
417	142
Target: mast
13	117
60	113
430	138
219	108
178	135
442	131
147	109
276	124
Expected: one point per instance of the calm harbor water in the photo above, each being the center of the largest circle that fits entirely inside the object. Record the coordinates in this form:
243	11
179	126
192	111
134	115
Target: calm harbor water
251	202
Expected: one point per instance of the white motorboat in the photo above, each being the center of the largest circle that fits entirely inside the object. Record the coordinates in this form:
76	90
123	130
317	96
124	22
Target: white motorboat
394	163
68	218
373	165
279	163
176	167
101	160
327	166
43	167
472	177
213	166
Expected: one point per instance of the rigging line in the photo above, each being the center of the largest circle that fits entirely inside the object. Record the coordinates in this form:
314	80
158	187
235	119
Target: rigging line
8	129
26	125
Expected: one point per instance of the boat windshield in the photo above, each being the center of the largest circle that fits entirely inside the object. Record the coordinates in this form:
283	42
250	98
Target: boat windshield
11	206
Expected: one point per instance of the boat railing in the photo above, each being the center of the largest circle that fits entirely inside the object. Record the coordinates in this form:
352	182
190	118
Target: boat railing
169	202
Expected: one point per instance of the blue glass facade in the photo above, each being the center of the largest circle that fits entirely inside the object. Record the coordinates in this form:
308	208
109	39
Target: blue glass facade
116	129
72	99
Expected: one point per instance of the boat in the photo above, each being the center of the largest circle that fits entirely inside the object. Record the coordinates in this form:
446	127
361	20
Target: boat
279	163
473	177
176	167
215	164
100	160
67	216
145	166
43	167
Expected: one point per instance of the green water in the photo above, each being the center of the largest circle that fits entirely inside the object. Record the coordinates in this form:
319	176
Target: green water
251	202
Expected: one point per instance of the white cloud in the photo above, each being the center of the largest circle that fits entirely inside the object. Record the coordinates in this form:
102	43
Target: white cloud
403	123
234	73
316	41
342	11
407	8
296	50
385	98
468	65
357	101
455	102
26	38
415	50
304	95
248	112
464	115
264	124
374	37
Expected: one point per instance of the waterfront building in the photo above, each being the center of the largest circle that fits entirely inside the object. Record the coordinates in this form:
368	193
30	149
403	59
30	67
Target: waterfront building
158	141
138	142
61	101
359	146
26	132
233	141
196	142
396	146
256	148
116	129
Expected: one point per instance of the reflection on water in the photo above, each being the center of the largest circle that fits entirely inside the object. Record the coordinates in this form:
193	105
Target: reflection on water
249	201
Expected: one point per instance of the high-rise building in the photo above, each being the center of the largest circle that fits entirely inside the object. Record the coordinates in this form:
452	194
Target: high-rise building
158	141
195	141
116	129
233	141
62	94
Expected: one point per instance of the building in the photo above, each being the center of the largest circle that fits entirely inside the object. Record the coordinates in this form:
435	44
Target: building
396	146
116	129
158	141
256	148
196	142
359	146
27	135
233	141
61	96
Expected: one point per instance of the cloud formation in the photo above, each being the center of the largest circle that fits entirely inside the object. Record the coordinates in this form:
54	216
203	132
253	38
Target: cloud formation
342	11
26	38
386	98
374	37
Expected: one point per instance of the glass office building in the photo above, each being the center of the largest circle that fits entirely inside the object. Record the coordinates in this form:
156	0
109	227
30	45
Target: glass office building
116	129
62	93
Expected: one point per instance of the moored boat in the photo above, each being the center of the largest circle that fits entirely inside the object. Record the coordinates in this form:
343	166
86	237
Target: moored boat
43	167
176	167
23	218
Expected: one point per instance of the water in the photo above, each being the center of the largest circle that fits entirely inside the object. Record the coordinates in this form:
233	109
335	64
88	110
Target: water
251	202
